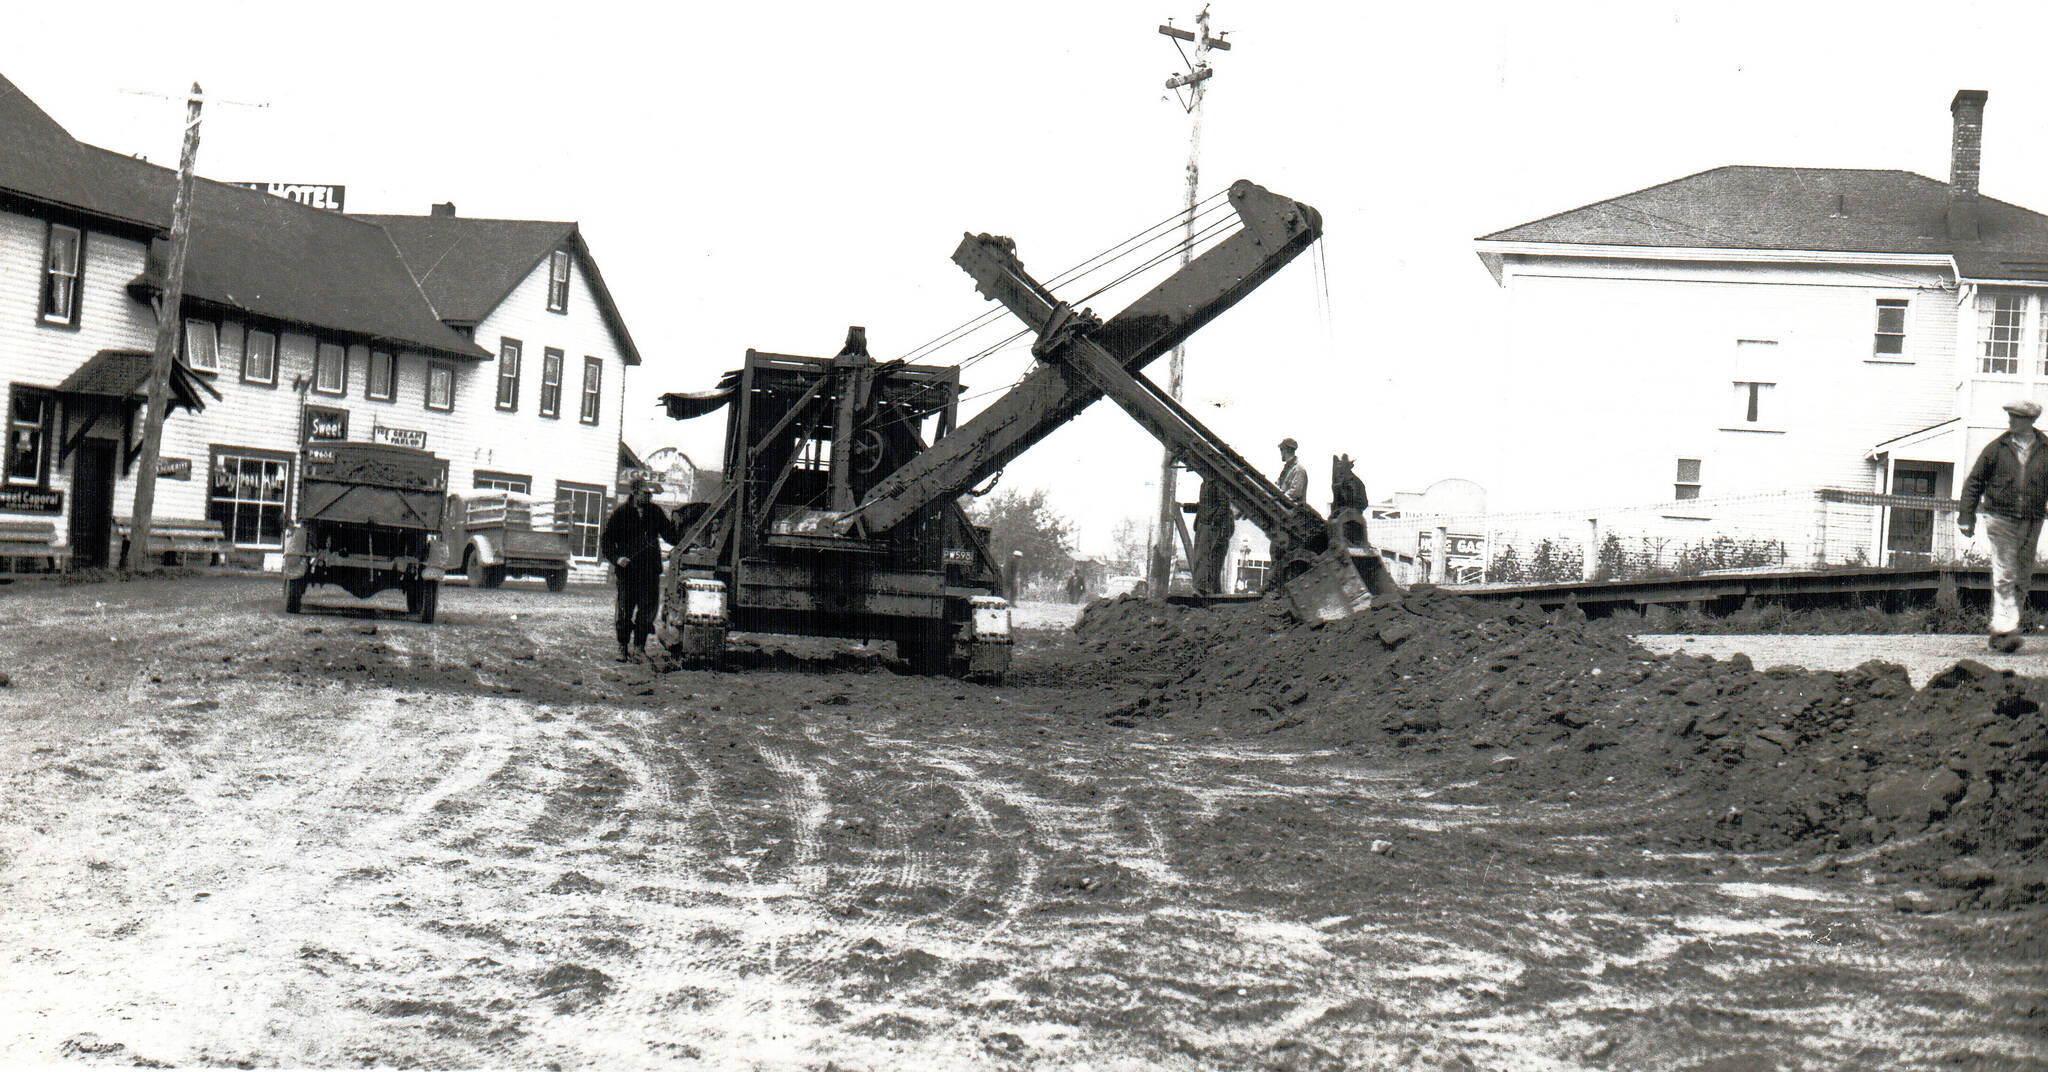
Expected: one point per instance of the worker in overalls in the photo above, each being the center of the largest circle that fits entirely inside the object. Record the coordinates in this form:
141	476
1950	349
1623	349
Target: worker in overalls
631	542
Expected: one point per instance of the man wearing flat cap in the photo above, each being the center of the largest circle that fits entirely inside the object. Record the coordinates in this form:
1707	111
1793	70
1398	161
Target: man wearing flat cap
2010	482
631	542
1293	482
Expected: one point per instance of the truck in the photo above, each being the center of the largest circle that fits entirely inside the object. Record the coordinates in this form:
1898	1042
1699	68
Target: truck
841	515
369	520
494	534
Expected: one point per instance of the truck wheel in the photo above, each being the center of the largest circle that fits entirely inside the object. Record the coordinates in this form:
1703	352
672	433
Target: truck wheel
558	580
294	594
493	576
429	600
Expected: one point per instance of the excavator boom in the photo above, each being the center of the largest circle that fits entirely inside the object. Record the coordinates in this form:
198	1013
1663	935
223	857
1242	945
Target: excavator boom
1276	230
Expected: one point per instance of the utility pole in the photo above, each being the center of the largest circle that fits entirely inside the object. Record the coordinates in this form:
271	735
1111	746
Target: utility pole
170	321
1196	81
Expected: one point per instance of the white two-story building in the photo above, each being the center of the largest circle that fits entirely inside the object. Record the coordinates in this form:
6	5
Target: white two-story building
545	417
299	326
1751	332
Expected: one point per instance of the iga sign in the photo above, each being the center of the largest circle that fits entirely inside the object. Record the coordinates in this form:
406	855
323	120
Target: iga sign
174	468
399	437
318	195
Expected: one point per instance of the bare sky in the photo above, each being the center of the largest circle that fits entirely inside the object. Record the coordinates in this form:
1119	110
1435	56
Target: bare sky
766	174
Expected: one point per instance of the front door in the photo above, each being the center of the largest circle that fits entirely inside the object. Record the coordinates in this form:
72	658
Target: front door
1910	539
92	502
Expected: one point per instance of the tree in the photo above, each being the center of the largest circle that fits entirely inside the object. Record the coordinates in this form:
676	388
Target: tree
1021	521
1613	562
1131	543
1507	567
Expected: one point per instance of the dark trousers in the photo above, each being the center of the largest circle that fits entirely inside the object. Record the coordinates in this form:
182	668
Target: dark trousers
1212	546
633	613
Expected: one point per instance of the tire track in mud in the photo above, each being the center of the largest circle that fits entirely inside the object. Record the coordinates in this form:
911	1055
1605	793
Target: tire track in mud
1480	940
297	849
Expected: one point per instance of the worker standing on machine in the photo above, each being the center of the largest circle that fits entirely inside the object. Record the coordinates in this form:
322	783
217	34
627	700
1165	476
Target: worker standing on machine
631	542
1293	483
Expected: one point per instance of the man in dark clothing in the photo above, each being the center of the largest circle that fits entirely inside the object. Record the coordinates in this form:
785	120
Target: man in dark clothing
631	542
2010	479
1214	523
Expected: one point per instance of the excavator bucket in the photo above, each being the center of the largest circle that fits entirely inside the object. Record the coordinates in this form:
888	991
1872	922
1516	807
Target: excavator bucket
1340	584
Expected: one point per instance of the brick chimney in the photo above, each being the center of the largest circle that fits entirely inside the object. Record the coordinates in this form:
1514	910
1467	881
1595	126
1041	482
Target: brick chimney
447	208
1965	162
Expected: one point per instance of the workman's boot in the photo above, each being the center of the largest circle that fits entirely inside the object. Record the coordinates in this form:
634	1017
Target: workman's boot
625	635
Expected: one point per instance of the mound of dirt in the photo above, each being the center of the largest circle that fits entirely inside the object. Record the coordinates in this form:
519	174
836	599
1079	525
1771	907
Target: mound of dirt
1944	784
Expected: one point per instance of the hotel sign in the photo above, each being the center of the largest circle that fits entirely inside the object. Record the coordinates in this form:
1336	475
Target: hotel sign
318	195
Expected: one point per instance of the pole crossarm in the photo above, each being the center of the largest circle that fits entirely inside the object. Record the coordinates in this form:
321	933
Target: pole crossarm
1276	230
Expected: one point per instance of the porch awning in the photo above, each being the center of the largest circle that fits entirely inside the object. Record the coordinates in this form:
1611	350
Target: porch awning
1934	443
125	374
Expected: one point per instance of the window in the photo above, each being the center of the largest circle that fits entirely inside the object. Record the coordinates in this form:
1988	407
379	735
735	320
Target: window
558	281
381	384
593	382
504	481
1998	332
330	369
60	274
31	425
579	508
2041	338
234	339
1752	405
1687	483
202	345
508	374
1915	481
440	386
246	495
1891	329
259	360
551	382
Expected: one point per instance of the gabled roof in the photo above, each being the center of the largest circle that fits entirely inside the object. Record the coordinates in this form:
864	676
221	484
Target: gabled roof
468	267
249	251
39	160
276	258
1779	208
1915	445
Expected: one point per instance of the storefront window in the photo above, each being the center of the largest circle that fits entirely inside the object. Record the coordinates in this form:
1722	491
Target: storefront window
247	497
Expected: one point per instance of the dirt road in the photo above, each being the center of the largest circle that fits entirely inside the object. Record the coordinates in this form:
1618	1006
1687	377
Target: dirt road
236	837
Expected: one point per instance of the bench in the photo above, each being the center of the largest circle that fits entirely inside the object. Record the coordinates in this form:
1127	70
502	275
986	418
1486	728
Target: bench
173	538
31	540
